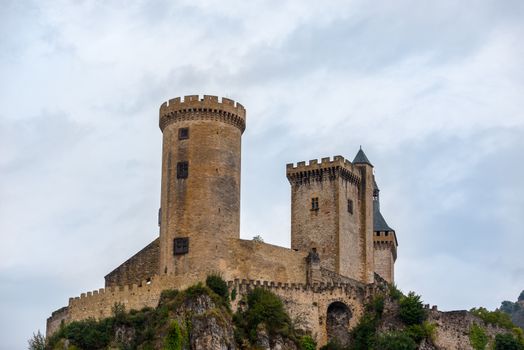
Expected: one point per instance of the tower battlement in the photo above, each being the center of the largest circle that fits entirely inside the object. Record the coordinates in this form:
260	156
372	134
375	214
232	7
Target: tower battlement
342	250
206	107
326	168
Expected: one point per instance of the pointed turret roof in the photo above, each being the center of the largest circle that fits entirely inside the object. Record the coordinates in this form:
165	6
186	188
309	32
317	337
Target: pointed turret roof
379	223
361	158
375	186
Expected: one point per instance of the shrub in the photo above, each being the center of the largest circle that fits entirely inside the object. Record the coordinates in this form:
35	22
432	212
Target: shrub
332	346
307	343
477	337
496	317
89	334
363	334
411	310
263	309
174	339
394	292
216	283
234	294
258	239
377	305
119	313
37	342
418	332
507	342
167	295
395	341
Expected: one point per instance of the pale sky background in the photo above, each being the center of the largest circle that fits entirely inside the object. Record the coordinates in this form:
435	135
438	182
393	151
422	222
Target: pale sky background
432	90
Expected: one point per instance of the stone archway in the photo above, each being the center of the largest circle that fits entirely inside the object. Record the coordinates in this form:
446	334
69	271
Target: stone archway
337	322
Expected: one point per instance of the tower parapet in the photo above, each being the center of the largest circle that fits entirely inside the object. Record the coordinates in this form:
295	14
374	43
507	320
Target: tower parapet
227	110
327	168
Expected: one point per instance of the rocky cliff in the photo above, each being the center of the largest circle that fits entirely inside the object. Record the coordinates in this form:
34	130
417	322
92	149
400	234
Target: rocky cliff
201	318
515	310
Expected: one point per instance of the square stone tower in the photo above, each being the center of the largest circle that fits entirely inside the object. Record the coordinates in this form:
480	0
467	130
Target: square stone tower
332	212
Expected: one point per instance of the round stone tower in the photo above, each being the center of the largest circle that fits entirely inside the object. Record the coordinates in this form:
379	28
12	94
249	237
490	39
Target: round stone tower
200	196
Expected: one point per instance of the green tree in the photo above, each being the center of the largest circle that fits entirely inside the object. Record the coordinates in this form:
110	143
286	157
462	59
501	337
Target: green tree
36	342
411	310
496	317
395	341
507	342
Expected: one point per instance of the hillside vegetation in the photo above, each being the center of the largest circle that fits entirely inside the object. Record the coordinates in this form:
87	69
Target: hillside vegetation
200	317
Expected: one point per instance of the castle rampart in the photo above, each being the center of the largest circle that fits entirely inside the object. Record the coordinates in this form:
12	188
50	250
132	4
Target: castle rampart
323	170
209	108
308	304
139	267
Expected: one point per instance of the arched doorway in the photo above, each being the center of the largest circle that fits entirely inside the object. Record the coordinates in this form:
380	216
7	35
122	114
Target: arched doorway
337	322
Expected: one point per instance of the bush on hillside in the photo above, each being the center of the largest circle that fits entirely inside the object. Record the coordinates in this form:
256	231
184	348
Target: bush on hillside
217	284
497	318
478	337
411	310
395	341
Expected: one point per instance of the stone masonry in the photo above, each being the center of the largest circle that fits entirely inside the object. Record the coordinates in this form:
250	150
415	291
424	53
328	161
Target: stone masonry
342	250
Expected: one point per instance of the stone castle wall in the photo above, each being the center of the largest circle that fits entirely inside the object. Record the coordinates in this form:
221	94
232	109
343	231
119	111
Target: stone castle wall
139	267
453	329
245	260
308	304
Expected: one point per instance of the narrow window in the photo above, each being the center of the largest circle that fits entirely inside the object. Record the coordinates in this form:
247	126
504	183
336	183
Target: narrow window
181	245
183	133
314	203
350	206
182	170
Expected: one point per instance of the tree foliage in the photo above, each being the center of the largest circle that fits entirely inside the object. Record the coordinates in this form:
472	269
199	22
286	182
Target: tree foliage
411	310
395	341
507	342
218	285
36	342
497	318
478	337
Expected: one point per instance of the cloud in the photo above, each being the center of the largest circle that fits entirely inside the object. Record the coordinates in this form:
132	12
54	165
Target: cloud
432	92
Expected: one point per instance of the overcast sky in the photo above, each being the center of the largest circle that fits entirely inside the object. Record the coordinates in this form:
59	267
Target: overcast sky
433	91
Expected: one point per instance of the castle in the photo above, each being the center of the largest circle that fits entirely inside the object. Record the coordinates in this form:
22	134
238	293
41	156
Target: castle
342	249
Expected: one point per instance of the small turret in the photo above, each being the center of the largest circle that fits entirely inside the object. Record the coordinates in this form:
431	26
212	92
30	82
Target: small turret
366	193
384	241
361	158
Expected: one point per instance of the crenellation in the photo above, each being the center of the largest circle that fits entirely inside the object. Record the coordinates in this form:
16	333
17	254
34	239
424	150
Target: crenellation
199	223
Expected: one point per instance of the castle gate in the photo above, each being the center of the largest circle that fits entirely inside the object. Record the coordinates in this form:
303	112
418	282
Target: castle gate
337	322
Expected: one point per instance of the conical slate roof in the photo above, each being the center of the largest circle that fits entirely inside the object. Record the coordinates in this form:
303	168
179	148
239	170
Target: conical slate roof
361	158
379	223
